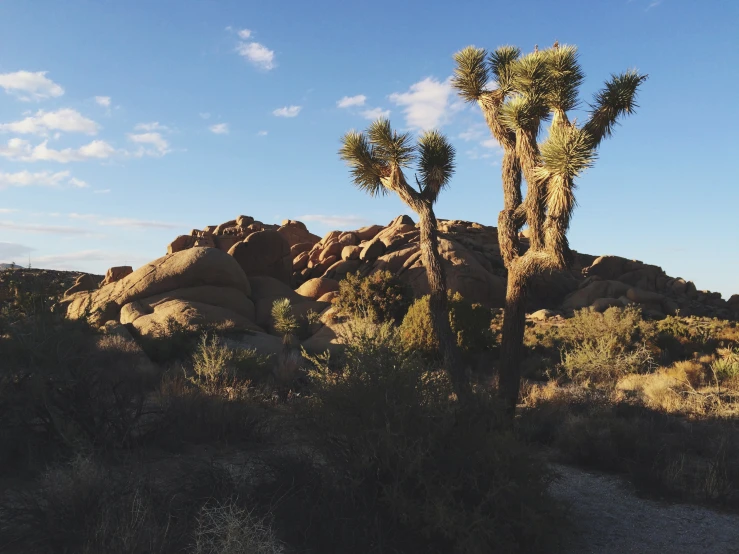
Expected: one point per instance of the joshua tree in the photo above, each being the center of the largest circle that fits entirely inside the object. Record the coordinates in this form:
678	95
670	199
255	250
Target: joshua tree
285	323
527	91
378	159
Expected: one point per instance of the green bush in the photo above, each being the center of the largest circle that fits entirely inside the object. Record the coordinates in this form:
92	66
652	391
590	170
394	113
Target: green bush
378	297
470	324
452	477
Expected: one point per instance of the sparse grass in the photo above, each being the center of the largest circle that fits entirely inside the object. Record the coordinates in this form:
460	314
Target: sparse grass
226	528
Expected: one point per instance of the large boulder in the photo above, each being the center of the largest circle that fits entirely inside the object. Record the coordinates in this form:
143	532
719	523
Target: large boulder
183	242
264	253
116	274
295	232
315	288
189	268
224	297
368	233
592	291
84	282
192	316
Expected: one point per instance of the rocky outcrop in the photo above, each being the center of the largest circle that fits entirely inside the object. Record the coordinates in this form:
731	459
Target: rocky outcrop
116	274
264	253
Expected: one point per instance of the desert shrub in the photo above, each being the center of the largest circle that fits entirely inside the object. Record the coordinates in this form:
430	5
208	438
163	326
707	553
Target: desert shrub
171	341
378	297
604	361
227	528
63	385
211	362
86	507
470	324
726	367
451	476
601	347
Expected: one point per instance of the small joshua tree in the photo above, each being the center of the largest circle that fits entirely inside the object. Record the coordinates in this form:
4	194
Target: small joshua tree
378	159
527	91
286	324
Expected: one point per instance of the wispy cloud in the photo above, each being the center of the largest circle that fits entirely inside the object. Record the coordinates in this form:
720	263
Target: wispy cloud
149	127
49	229
257	54
27	85
101	191
103	101
244	34
427	104
219	128
73	260
287	111
107	221
654	4
375	113
352	101
10	250
21	150
40	178
204	115
42	122
152	144
262	133
340	221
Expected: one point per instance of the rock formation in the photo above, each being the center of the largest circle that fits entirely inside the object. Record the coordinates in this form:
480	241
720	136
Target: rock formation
227	276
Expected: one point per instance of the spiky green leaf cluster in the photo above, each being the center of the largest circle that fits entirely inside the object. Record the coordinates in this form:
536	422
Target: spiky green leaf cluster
380	151
366	167
282	314
618	97
471	73
565	77
435	163
567	152
524	112
501	61
392	148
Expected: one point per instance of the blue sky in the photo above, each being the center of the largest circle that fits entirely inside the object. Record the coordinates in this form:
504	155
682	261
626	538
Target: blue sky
126	123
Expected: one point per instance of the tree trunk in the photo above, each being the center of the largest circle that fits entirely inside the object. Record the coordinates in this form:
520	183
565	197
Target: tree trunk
438	302
511	350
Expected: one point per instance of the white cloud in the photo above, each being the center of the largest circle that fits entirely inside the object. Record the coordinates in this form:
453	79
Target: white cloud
101	191
66	120
204	115
474	132
219	128
7	210
427	103
148	127
490	143
287	111
40	178
257	54
21	150
262	133
244	33
375	113
340	221
159	145
28	85
103	101
352	101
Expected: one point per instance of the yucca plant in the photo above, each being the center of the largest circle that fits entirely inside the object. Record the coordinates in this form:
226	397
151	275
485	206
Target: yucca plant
378	159
517	94
288	360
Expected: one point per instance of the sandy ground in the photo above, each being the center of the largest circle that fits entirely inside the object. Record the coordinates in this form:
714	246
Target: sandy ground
609	518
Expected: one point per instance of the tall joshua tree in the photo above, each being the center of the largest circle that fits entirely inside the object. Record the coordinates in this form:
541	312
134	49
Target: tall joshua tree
517	94
378	158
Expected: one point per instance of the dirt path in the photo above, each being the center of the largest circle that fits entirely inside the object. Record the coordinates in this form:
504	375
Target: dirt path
610	519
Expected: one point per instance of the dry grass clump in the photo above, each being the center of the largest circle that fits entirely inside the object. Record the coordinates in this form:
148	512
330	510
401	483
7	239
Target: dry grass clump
227	528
